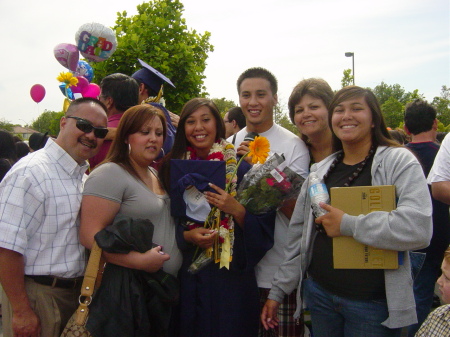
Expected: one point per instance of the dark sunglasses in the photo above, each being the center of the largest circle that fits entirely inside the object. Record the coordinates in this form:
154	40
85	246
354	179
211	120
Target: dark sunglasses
86	126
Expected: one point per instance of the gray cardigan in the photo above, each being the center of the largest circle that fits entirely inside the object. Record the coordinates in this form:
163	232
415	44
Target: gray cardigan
408	227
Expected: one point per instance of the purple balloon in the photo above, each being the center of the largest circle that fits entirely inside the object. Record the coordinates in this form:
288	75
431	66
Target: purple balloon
67	54
82	84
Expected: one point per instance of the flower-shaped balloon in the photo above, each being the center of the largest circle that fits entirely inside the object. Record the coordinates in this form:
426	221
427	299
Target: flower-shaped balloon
259	149
68	79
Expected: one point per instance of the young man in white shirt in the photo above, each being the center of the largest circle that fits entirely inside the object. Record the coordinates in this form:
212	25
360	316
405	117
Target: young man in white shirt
257	89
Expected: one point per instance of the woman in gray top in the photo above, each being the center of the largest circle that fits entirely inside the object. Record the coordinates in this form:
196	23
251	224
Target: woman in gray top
125	184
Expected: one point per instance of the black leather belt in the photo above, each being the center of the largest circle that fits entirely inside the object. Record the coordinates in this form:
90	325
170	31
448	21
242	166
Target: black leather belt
57	282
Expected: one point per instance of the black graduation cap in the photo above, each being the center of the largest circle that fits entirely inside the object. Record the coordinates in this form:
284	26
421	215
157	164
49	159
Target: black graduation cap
151	77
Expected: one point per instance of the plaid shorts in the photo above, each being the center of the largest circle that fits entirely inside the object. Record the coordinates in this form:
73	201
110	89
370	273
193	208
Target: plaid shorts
287	326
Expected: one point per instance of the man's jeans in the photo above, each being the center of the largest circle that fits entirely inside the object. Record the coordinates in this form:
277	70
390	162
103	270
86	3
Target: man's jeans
334	316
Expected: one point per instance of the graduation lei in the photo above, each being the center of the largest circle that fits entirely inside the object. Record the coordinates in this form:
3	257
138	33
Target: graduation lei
222	250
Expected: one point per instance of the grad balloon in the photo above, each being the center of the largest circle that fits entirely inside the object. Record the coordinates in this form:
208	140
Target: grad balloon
95	41
67	54
84	69
37	92
93	90
82	84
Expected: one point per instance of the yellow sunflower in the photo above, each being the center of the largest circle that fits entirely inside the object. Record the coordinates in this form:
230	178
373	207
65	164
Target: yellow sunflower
259	149
68	79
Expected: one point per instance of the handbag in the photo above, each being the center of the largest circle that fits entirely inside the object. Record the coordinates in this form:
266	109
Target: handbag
76	326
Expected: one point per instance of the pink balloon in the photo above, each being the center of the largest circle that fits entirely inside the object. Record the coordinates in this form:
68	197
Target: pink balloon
37	92
81	86
67	54
92	90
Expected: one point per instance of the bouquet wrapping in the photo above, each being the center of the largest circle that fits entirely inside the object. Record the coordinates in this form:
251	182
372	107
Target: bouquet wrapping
265	187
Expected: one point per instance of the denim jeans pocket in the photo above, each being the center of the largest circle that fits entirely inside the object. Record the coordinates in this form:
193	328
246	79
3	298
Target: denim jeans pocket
417	260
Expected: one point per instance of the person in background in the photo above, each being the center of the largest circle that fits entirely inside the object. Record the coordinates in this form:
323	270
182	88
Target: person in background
257	89
217	302
8	156
440	136
438	322
118	92
37	141
356	302
151	83
399	136
22	149
41	259
421	126
308	111
439	176
234	121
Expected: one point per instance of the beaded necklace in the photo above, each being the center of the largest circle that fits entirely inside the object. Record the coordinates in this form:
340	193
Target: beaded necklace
353	176
357	171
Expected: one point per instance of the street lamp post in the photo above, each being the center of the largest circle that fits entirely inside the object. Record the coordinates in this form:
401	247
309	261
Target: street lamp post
352	55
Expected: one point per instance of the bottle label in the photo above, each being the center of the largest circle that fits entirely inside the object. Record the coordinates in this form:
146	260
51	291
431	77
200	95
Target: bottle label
317	189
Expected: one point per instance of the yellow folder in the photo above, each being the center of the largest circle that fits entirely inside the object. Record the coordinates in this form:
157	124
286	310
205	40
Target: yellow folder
349	253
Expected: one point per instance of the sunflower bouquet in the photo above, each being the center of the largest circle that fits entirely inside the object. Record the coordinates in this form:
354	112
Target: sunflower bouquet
265	187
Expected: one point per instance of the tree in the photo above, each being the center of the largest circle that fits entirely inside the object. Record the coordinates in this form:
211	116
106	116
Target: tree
281	118
48	121
384	91
347	79
286	123
159	36
223	104
393	110
442	105
411	96
6	125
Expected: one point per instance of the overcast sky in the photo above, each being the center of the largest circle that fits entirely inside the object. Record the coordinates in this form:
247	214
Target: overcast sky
395	41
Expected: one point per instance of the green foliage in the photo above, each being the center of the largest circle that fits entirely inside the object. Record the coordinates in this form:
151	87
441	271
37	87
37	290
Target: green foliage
5	125
393	99
223	104
281	118
442	105
48	121
347	79
159	36
384	91
393	110
286	123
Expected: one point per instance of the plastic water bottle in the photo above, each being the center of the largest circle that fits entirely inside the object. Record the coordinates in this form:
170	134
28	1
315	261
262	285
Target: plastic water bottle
318	193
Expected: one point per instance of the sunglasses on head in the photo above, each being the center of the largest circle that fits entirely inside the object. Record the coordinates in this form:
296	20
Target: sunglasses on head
86	126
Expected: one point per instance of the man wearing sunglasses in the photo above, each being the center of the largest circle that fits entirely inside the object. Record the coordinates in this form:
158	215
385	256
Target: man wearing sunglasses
41	259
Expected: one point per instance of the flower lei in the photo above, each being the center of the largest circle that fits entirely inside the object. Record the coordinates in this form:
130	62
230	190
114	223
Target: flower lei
221	150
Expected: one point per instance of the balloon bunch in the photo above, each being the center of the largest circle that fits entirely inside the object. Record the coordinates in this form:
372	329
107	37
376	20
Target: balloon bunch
96	43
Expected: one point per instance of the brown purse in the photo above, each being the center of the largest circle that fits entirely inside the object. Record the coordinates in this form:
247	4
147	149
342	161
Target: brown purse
76	326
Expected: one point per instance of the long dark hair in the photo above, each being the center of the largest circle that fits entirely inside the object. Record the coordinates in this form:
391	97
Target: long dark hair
380	133
131	122
181	143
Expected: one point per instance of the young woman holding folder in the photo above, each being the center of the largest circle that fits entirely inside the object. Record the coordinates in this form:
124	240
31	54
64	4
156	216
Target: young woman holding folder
356	302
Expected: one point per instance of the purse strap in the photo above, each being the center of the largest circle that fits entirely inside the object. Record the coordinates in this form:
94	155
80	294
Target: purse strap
94	270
